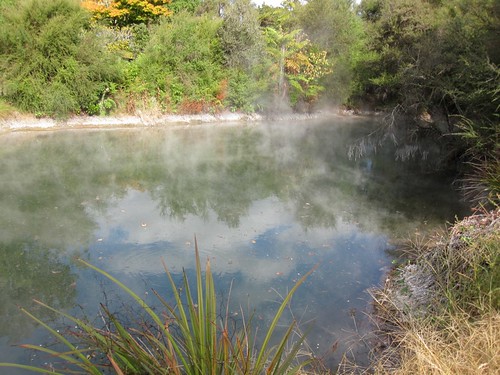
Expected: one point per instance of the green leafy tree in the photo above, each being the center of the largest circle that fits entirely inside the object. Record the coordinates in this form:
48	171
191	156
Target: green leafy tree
241	38
213	7
428	55
50	63
397	34
297	67
433	63
189	6
243	45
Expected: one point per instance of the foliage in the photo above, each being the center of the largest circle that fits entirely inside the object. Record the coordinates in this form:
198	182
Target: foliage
190	6
214	8
182	64
188	338
243	47
398	29
481	182
127	12
127	42
432	66
277	17
297	66
467	269
51	63
464	347
429	55
6	110
424	58
240	36
304	69
334	27
242	91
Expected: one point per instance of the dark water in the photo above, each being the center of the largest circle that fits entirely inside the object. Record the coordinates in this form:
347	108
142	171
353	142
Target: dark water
267	202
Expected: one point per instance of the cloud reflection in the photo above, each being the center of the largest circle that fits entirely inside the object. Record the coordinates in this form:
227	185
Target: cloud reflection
268	244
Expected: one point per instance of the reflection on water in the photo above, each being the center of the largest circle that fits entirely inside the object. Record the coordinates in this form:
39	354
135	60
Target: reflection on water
267	202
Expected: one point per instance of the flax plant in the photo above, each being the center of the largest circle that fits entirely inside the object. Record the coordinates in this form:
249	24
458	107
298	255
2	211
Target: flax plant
189	337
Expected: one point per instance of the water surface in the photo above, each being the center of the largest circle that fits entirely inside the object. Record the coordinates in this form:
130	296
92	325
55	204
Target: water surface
266	202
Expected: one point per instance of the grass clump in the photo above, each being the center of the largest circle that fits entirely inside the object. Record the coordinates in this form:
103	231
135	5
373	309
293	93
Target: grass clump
189	337
440	313
464	346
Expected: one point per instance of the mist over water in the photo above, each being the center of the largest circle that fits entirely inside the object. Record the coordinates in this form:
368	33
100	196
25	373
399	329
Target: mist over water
266	202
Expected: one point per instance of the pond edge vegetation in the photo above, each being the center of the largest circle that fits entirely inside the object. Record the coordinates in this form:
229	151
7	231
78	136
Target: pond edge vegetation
439	309
189	336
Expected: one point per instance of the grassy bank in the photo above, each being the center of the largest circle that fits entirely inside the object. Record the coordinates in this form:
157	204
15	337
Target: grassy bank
439	313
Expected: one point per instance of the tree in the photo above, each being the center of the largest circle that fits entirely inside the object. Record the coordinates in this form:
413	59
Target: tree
435	65
243	45
428	56
127	12
190	6
298	66
50	62
241	38
334	27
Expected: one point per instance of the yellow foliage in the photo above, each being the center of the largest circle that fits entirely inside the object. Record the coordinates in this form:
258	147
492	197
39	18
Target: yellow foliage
123	12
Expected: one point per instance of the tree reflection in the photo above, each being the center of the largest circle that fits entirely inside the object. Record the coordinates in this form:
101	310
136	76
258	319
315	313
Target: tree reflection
29	270
51	181
226	179
56	177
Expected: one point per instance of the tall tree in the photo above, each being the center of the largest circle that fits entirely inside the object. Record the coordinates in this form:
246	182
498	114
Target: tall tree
240	35
427	55
334	26
297	66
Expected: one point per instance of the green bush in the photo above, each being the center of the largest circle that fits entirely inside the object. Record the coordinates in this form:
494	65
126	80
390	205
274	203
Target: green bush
50	61
182	62
243	91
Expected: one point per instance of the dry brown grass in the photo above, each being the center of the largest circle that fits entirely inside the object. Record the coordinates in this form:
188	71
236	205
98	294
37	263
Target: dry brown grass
440	314
463	347
6	110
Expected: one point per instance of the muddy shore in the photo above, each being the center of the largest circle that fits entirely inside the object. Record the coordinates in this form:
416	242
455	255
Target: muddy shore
20	122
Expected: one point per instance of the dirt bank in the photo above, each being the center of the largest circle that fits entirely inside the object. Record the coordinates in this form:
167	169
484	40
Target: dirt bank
20	122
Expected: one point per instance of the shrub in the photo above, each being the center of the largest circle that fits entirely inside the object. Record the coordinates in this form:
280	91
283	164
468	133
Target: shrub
182	61
51	62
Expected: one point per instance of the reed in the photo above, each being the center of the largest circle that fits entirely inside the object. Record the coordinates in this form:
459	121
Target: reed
189	337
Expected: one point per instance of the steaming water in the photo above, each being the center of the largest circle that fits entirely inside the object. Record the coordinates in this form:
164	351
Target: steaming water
267	202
